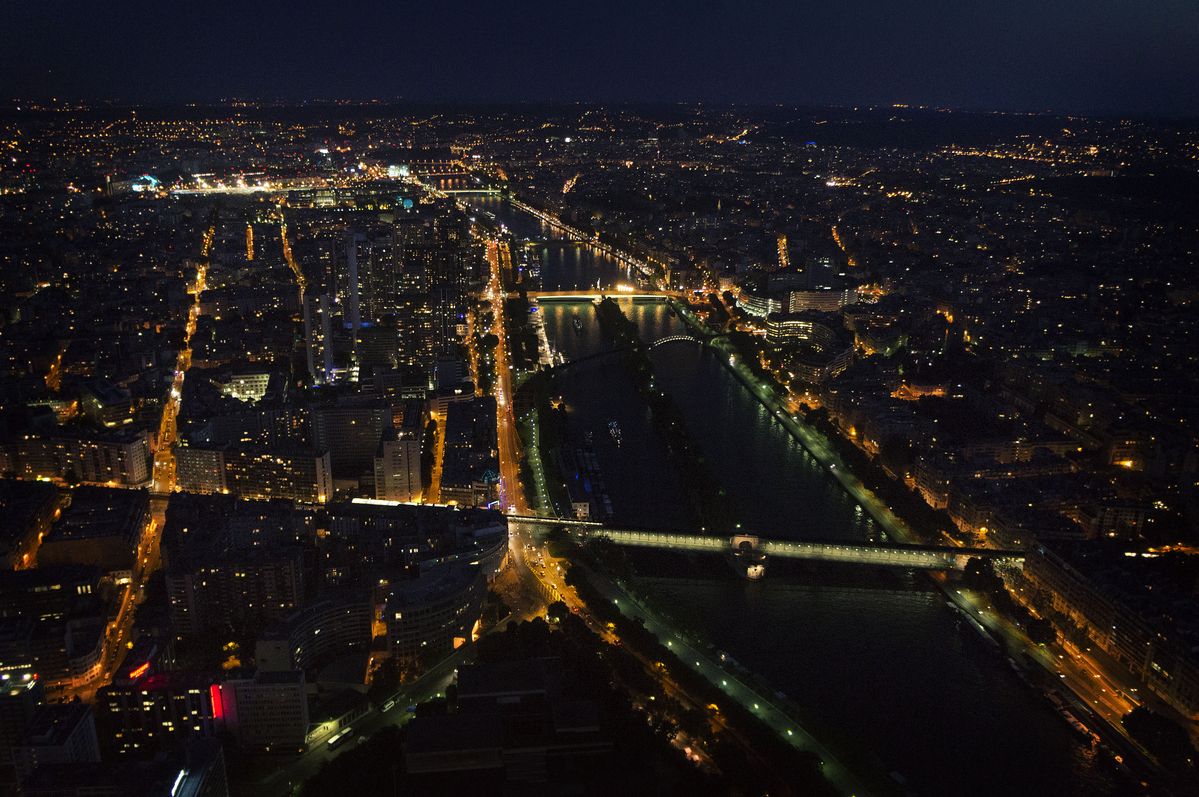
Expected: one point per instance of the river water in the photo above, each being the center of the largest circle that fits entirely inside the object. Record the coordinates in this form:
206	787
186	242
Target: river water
883	671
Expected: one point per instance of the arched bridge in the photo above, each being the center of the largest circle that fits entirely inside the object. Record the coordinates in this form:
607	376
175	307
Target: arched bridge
911	557
578	362
598	355
674	339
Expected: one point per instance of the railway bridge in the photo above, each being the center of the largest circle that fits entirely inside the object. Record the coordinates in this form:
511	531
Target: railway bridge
908	557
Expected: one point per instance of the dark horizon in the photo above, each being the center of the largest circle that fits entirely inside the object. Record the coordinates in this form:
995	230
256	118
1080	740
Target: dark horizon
1094	59
49	104
771	398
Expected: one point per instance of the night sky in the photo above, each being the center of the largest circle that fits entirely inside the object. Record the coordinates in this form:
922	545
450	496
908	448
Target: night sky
1126	56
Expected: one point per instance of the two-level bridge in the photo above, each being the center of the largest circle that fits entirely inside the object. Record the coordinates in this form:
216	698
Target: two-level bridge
911	557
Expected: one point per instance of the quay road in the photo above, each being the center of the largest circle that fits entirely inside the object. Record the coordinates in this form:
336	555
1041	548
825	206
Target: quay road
1093	686
816	445
1099	698
1095	691
551	571
646	268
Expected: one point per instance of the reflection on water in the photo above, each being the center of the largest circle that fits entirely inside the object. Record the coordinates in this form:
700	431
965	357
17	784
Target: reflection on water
776	487
565	265
891	677
897	681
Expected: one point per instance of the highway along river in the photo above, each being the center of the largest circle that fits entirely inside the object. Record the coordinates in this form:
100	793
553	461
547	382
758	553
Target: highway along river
882	670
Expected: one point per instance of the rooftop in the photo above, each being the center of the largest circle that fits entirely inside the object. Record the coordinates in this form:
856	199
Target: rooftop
101	512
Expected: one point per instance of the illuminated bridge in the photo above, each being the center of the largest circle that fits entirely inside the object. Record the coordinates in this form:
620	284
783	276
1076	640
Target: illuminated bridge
674	339
590	296
586	359
911	557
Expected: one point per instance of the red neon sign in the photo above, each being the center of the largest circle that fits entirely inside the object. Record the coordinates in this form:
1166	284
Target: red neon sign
218	708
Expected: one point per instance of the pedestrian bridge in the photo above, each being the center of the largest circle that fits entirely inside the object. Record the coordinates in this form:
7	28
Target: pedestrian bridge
910	557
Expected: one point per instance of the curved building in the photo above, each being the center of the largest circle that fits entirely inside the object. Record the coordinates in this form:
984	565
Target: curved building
436	612
815	348
324	630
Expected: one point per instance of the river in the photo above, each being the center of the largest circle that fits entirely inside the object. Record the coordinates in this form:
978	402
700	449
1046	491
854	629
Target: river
883	671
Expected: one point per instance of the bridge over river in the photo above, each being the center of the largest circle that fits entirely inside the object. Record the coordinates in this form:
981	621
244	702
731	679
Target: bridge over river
911	557
622	292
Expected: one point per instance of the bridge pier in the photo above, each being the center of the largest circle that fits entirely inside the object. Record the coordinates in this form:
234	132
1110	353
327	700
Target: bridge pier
747	557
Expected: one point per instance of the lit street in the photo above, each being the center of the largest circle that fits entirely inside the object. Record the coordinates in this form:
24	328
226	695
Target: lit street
796	400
